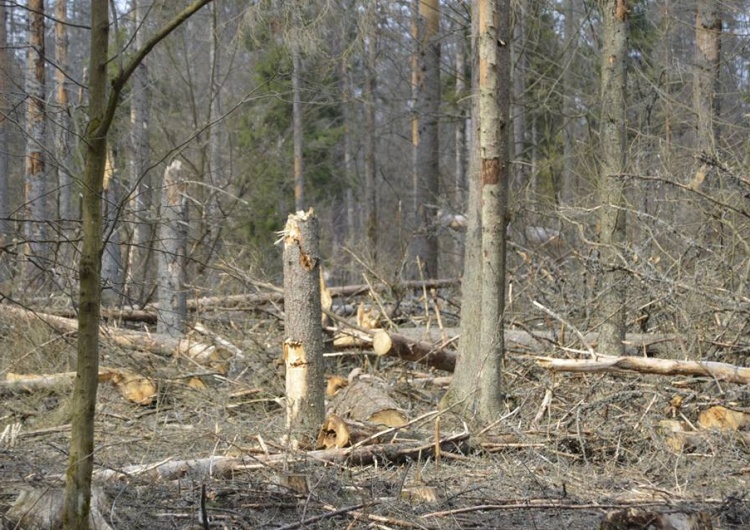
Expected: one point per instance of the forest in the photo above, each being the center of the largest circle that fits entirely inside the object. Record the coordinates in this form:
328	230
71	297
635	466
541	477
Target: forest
374	264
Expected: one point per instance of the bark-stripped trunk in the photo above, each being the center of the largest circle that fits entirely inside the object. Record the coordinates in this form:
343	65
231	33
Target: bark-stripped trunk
299	174
611	184
426	81
476	389
303	345
35	206
140	255
172	251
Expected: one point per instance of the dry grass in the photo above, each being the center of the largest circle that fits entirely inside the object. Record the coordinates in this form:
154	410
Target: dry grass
596	447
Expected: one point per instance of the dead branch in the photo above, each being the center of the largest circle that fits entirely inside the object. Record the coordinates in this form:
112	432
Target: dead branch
648	365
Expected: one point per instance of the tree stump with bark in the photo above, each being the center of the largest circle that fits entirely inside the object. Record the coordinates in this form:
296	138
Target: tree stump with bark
303	346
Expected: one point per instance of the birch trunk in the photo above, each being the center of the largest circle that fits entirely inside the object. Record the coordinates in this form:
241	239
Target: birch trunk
611	185
303	346
172	247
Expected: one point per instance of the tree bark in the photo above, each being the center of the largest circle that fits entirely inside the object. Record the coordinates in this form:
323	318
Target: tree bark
395	345
172	243
64	120
612	216
35	206
426	81
461	128
303	346
461	393
112	268
370	137
141	189
494	107
5	224
708	28
568	185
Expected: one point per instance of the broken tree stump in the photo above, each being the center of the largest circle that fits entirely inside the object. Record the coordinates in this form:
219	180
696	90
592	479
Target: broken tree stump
303	345
340	432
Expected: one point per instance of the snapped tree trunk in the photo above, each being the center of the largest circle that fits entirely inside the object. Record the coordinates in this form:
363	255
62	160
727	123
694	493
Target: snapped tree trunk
303	345
611	184
172	251
426	86
35	205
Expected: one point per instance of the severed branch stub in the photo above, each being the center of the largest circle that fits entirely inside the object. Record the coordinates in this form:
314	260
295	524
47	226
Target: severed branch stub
303	346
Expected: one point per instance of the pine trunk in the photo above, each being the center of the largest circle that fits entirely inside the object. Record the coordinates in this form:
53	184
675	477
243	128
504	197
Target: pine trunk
611	184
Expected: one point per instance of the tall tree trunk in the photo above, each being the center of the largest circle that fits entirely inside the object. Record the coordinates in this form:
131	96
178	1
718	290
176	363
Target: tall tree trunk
494	110
217	142
35	206
461	127
612	216
371	198
141	188
476	389
172	252
5	224
81	459
299	172
426	80
568	184
64	121
102	109
519	66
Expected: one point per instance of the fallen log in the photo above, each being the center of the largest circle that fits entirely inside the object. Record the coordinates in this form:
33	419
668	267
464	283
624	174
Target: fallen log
649	365
395	345
222	466
362	400
340	432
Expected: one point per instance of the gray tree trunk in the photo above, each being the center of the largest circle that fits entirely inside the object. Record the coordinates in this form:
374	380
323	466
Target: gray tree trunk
612	216
172	251
303	344
112	267
35	206
519	66
461	125
140	255
371	197
476	389
568	177
6	227
426	81
63	145
298	134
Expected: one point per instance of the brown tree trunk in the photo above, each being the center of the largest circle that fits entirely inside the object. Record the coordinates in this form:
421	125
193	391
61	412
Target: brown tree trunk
461	127
426	81
64	121
35	206
611	184
112	269
172	252
706	75
371	198
568	184
303	346
101	113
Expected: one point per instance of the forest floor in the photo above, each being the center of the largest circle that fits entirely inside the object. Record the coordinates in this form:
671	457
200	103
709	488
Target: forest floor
596	448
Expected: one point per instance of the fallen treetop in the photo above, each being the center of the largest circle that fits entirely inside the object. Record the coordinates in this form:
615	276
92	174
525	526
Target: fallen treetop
649	365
